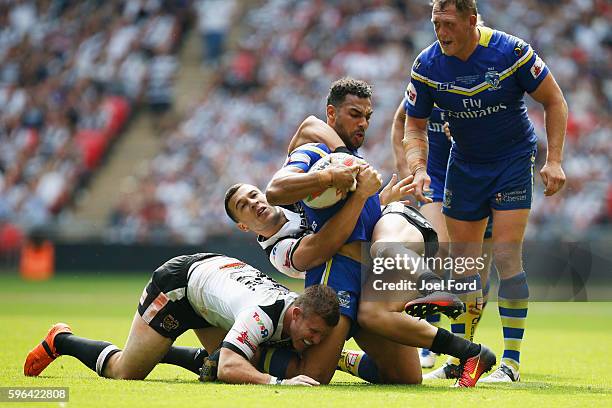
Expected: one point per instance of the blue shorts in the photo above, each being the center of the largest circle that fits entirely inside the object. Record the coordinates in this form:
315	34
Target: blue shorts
472	189
436	187
344	276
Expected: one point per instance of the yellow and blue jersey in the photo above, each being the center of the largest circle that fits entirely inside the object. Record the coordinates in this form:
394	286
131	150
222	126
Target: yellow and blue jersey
482	98
340	273
304	157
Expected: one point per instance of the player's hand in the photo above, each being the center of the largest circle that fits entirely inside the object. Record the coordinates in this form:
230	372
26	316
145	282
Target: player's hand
394	190
369	181
300	380
447	131
421	186
344	177
553	177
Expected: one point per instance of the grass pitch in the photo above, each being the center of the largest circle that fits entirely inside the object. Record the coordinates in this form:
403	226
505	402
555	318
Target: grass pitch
566	356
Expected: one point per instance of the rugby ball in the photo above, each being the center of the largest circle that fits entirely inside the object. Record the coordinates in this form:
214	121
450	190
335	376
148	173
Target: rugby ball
330	196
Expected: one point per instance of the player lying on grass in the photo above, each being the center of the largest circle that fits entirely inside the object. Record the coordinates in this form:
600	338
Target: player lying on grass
220	298
401	231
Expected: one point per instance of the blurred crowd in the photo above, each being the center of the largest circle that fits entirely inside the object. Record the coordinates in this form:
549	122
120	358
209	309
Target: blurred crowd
278	71
70	73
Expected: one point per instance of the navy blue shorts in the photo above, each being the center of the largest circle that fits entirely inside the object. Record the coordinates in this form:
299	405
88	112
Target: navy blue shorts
473	189
344	276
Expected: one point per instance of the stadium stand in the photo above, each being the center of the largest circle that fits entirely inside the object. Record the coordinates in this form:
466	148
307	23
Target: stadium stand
288	54
71	72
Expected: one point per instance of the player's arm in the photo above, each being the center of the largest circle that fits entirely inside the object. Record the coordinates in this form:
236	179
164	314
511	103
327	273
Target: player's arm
314	130
416	148
292	184
239	347
397	135
315	249
551	97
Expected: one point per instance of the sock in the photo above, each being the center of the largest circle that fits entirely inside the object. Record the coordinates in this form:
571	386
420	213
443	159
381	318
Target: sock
447	343
93	353
275	361
359	364
465	325
513	303
434	320
190	358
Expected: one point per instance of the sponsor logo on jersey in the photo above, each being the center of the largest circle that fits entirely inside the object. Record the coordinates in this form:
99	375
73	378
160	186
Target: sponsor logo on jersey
244	339
537	68
511	196
448	198
492	78
519	48
344	298
262	327
287	263
411	94
235	265
170	323
477	113
301	158
417	64
445	86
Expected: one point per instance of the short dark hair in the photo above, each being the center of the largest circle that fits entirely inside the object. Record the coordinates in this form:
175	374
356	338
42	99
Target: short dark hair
322	301
347	86
464	7
228	196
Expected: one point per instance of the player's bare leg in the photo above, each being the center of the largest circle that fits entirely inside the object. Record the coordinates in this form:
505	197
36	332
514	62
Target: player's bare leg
320	361
513	295
394	236
143	350
397	363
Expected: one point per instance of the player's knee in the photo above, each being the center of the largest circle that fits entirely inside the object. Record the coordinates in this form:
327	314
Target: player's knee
401	375
321	374
507	257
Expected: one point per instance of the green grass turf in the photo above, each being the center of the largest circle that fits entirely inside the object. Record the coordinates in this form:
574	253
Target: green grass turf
566	356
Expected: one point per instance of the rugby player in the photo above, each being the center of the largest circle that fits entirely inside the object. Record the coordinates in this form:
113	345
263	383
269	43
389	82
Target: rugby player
388	336
478	76
219	298
439	145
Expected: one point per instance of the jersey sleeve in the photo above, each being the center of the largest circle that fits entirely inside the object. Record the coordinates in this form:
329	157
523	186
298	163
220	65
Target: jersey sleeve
251	328
306	155
281	257
418	100
530	68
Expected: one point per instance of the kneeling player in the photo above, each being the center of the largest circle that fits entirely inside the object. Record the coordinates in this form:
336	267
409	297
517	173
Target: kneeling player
202	292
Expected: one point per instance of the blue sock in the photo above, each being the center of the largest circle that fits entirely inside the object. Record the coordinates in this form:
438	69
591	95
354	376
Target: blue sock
275	361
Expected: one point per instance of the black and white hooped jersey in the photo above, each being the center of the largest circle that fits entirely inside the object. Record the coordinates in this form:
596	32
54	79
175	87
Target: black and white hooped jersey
281	246
235	296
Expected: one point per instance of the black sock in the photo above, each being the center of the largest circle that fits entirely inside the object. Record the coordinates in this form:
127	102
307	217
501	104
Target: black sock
428	277
446	342
190	358
93	353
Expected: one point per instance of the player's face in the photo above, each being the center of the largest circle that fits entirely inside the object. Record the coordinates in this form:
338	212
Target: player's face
250	207
453	30
351	120
307	331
